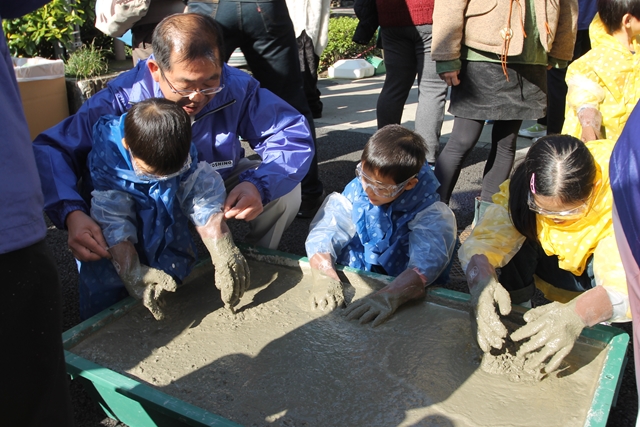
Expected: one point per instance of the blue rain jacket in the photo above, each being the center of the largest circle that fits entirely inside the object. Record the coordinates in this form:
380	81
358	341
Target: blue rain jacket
416	230
274	129
153	215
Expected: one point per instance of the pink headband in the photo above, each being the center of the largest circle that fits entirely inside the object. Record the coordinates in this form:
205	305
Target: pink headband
532	183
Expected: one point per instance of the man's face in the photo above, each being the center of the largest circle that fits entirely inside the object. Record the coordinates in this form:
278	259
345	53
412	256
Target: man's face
184	76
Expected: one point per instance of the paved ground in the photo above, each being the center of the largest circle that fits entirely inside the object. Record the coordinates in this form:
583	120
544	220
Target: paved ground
348	120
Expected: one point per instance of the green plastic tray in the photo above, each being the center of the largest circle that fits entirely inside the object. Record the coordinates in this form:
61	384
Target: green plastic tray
140	405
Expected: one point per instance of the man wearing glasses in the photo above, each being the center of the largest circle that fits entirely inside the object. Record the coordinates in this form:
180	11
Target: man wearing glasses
224	105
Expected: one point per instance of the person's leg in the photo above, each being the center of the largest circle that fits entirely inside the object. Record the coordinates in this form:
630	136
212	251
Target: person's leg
432	95
227	14
267	229
557	86
141	38
401	65
35	382
270	48
309	62
464	137
500	161
556	94
517	276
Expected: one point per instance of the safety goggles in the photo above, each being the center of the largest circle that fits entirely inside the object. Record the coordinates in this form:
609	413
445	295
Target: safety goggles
190	93
568	215
380	189
146	176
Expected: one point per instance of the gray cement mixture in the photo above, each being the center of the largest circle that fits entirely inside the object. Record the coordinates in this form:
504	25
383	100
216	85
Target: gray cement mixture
278	363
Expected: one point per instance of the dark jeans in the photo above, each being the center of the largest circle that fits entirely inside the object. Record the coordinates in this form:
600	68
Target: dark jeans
407	52
35	384
264	32
557	87
464	137
517	275
309	63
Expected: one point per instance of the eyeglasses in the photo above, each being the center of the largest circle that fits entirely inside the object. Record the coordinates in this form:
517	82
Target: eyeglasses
189	93
146	176
568	215
380	189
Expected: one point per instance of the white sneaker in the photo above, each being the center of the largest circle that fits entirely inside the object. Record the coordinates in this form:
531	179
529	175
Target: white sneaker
535	131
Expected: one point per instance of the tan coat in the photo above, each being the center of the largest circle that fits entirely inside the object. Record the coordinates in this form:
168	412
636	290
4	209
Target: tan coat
482	24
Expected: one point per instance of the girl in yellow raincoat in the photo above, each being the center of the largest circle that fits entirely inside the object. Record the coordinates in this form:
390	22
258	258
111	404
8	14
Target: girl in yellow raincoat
604	84
549	226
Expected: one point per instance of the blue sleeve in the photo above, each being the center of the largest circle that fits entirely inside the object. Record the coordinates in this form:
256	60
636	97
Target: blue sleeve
332	228
432	240
61	155
282	138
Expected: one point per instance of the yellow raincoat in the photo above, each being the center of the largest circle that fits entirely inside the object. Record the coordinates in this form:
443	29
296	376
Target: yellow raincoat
607	78
573	243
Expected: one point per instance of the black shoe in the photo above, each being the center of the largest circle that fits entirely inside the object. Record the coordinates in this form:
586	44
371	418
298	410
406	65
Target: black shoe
317	114
310	206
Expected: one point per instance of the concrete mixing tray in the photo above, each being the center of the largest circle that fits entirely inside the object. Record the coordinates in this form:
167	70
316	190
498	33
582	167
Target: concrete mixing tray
277	363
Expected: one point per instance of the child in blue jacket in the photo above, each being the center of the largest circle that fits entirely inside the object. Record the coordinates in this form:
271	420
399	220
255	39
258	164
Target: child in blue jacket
148	186
388	220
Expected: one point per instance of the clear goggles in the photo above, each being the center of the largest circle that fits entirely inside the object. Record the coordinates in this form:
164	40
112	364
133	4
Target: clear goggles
380	189
568	215
146	176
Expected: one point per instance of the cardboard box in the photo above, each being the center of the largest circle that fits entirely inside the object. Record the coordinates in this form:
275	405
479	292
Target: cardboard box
43	92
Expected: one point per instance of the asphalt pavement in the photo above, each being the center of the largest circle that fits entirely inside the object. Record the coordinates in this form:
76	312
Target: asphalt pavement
348	120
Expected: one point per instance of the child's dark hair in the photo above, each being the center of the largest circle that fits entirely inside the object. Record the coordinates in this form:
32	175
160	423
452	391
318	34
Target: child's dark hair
158	132
563	167
612	11
395	152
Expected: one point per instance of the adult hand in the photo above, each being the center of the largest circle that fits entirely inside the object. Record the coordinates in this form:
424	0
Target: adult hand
554	328
378	307
85	238
451	77
243	202
232	276
486	292
142	282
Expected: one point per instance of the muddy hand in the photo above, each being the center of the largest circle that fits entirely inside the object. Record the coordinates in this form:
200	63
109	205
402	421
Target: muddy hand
142	282
486	293
231	269
374	308
326	292
552	330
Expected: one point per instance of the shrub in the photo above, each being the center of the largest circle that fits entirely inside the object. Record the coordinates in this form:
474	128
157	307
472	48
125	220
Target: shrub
340	45
42	31
34	34
86	62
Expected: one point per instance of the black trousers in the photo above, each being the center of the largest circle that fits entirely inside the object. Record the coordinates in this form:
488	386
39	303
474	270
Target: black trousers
517	275
264	32
557	87
35	385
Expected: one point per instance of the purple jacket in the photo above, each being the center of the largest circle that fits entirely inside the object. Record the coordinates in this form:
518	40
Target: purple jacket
274	129
20	196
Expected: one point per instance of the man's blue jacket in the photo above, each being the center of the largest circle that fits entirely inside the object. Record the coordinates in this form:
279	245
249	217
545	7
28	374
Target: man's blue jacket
274	129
